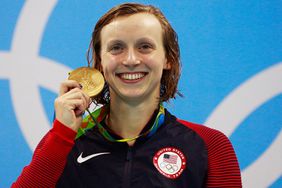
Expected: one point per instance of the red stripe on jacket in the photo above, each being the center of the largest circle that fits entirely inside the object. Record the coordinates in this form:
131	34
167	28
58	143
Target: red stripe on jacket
223	167
49	158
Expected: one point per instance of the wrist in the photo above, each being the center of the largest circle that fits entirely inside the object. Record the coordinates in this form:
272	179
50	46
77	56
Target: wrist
63	131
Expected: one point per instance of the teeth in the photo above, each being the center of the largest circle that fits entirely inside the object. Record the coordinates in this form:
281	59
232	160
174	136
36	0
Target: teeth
132	76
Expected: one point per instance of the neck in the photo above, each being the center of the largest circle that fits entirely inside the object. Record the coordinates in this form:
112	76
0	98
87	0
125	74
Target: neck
128	120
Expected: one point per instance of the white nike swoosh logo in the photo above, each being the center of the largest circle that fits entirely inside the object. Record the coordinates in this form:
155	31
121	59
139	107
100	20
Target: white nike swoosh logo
81	159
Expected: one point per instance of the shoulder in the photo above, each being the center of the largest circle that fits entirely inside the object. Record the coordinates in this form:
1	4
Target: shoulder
216	142
204	133
223	166
209	135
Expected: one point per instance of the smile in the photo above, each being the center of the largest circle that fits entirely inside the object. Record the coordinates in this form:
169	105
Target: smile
131	76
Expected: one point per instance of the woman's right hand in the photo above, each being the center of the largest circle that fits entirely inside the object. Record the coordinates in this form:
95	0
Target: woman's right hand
71	104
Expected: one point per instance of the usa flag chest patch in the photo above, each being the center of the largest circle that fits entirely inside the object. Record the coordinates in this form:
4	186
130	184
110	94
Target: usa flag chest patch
170	162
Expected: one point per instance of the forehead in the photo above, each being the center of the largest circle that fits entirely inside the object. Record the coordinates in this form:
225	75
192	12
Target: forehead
136	25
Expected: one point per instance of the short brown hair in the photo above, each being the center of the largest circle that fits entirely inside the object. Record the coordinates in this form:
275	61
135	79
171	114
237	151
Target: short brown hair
169	78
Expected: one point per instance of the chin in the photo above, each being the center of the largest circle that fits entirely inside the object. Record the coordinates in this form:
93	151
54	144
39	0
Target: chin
135	93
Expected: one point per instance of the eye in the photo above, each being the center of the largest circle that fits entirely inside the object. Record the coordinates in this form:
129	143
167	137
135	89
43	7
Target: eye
145	47
116	49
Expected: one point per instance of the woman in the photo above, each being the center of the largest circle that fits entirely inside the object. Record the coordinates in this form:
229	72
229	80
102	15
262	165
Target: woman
136	142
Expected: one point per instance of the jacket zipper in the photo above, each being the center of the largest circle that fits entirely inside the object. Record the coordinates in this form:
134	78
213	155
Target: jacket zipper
127	168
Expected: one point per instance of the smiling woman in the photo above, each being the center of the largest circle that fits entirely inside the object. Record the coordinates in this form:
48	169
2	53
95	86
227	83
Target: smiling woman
133	58
132	140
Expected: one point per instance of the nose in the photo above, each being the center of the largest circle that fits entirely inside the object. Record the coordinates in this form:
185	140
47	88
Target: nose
131	58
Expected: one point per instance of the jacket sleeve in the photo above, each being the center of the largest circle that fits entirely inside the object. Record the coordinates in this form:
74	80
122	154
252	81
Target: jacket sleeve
223	167
49	158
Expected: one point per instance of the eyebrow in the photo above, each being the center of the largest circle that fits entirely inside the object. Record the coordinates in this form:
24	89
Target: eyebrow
145	39
114	41
140	40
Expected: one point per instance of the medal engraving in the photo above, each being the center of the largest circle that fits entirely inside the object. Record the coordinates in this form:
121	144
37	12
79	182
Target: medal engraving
91	79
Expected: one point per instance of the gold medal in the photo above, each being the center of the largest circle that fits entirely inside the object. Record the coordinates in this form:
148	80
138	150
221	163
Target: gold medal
91	79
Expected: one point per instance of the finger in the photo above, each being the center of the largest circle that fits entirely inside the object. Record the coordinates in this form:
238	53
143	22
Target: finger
77	94
68	85
86	98
77	106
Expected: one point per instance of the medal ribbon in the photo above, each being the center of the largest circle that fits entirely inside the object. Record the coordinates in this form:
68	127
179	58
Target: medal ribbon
97	116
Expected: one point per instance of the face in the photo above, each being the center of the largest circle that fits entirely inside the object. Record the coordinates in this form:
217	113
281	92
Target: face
133	57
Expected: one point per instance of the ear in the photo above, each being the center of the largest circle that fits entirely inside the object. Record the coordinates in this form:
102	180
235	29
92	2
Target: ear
167	65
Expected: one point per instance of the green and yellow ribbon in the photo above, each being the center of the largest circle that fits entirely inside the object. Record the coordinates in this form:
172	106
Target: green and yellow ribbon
94	119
